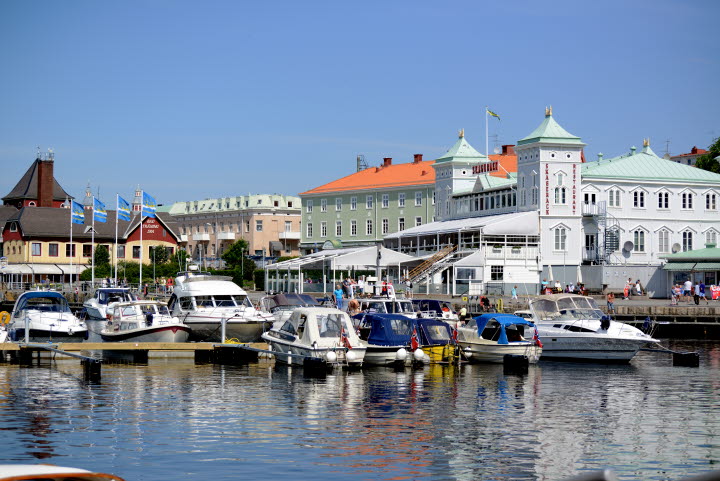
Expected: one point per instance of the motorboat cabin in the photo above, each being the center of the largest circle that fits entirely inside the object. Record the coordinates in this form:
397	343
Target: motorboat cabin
490	337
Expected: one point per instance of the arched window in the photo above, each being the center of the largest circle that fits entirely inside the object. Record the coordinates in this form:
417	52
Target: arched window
687	239
560	238
639	240
664	241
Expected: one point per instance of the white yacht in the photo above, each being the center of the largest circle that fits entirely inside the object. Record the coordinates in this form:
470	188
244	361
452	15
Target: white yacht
573	327
319	334
143	321
47	316
203	302
96	306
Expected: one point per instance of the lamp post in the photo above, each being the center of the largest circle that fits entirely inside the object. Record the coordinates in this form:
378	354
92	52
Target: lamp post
207	224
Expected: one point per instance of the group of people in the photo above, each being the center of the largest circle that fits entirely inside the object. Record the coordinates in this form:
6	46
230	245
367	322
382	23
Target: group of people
555	287
632	289
689	290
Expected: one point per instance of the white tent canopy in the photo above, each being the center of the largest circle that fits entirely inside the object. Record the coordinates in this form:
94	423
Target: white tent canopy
516	223
354	257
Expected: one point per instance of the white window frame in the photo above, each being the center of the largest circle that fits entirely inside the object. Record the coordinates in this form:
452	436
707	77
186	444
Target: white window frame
353	228
418	199
639	199
385	201
369	227
338	228
401	224
385	226
710	201
560	236
309	206
639	240
687	201
663	240
309	229
401	199
353	202
418	220
368	201
323	229
687	240
338	204
323	205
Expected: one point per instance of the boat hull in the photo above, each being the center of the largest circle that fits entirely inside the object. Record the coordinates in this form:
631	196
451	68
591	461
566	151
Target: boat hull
299	354
210	328
44	335
172	333
386	356
495	353
590	348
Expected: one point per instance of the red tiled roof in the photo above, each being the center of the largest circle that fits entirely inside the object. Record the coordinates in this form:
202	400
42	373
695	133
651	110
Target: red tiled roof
399	175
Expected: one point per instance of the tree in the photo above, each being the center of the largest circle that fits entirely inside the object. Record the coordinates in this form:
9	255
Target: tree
102	256
159	255
236	253
709	161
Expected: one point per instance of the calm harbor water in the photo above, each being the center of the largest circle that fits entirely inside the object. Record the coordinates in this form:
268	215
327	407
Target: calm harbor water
172	419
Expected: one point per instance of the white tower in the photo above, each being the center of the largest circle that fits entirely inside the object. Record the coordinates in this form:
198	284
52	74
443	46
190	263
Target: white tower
549	181
454	174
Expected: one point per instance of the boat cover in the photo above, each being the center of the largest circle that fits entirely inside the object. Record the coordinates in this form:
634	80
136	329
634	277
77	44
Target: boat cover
292	299
388	329
504	320
434	332
58	301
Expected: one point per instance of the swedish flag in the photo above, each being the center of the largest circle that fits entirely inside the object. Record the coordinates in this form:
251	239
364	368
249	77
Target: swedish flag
492	113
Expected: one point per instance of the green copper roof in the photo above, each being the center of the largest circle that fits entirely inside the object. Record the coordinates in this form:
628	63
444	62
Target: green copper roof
708	254
645	165
462	150
550	131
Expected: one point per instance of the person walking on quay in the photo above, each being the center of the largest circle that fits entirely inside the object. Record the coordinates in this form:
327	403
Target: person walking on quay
696	294
687	290
626	292
611	303
338	296
702	292
513	293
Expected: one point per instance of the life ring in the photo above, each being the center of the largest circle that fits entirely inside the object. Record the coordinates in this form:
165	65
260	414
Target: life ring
4	317
499	305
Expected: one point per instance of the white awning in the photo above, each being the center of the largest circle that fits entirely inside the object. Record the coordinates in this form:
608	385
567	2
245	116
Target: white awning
516	223
473	260
354	257
31	269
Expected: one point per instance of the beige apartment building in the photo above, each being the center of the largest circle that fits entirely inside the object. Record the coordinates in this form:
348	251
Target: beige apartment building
270	223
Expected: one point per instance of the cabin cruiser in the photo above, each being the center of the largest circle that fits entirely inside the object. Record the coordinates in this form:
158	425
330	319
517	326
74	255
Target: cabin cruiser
47	316
143	321
203	302
489	337
436	309
387	305
96	306
427	340
281	306
317	334
573	327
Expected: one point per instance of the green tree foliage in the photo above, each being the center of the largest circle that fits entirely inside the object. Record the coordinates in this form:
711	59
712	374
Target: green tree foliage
708	161
102	256
236	253
159	255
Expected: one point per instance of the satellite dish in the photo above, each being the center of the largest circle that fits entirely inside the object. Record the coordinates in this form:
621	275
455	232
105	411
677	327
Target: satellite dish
676	247
628	246
497	150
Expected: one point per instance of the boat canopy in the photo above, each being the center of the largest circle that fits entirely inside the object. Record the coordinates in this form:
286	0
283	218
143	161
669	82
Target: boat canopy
434	332
43	301
565	307
293	300
504	321
388	329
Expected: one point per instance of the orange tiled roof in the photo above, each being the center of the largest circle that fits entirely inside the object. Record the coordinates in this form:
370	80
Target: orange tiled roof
400	175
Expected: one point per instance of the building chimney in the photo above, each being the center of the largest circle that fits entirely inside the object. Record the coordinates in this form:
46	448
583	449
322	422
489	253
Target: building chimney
417	158
387	161
508	149
46	180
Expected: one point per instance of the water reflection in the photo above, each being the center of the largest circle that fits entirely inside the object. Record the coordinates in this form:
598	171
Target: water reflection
647	420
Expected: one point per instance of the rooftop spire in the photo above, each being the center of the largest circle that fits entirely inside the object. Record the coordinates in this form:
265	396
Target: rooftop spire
461	133
548	111
646	142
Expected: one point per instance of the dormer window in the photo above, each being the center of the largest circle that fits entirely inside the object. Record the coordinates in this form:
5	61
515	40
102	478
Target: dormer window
13	227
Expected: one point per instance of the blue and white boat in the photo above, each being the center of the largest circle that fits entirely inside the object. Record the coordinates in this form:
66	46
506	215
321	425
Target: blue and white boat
491	336
47	317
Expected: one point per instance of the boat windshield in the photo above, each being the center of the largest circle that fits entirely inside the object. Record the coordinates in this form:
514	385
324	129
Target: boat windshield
46	304
566	308
404	306
222	301
106	297
401	327
329	325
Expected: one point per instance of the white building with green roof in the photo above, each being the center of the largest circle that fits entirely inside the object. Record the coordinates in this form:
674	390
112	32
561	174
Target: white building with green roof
562	218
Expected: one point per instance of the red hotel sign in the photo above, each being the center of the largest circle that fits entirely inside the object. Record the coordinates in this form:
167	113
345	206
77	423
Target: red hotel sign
486	167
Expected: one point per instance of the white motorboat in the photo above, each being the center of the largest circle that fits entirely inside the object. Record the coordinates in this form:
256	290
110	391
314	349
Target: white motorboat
317	334
16	472
436	309
143	321
204	302
489	337
281	306
387	305
47	317
96	306
573	327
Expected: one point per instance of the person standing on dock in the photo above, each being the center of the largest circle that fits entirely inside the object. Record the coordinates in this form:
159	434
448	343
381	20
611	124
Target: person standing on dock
702	292
696	294
338	296
687	290
611	303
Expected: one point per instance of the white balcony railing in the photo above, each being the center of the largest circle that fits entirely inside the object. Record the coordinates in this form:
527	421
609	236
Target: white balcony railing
201	237
183	238
290	235
506	252
226	236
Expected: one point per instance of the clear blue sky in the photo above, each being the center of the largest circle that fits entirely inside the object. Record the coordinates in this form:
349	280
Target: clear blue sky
196	99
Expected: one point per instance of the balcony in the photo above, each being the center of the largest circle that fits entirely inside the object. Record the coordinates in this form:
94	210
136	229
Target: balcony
183	238
201	237
290	235
508	252
226	236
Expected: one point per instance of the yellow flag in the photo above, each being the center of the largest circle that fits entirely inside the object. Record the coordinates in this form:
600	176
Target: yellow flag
492	113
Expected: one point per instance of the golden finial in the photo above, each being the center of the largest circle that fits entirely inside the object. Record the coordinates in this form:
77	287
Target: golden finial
646	142
461	133
548	111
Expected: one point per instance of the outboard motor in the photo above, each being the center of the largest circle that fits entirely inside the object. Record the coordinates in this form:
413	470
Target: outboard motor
605	323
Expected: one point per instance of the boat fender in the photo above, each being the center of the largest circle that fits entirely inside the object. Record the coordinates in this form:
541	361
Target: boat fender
4	317
350	356
499	305
418	354
401	354
331	356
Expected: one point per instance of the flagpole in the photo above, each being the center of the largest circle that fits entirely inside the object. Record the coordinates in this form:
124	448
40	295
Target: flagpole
71	244
117	211
142	193
92	242
487	143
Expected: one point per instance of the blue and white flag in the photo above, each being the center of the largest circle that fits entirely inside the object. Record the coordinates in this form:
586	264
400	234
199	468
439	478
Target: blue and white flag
99	212
123	208
148	205
77	212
